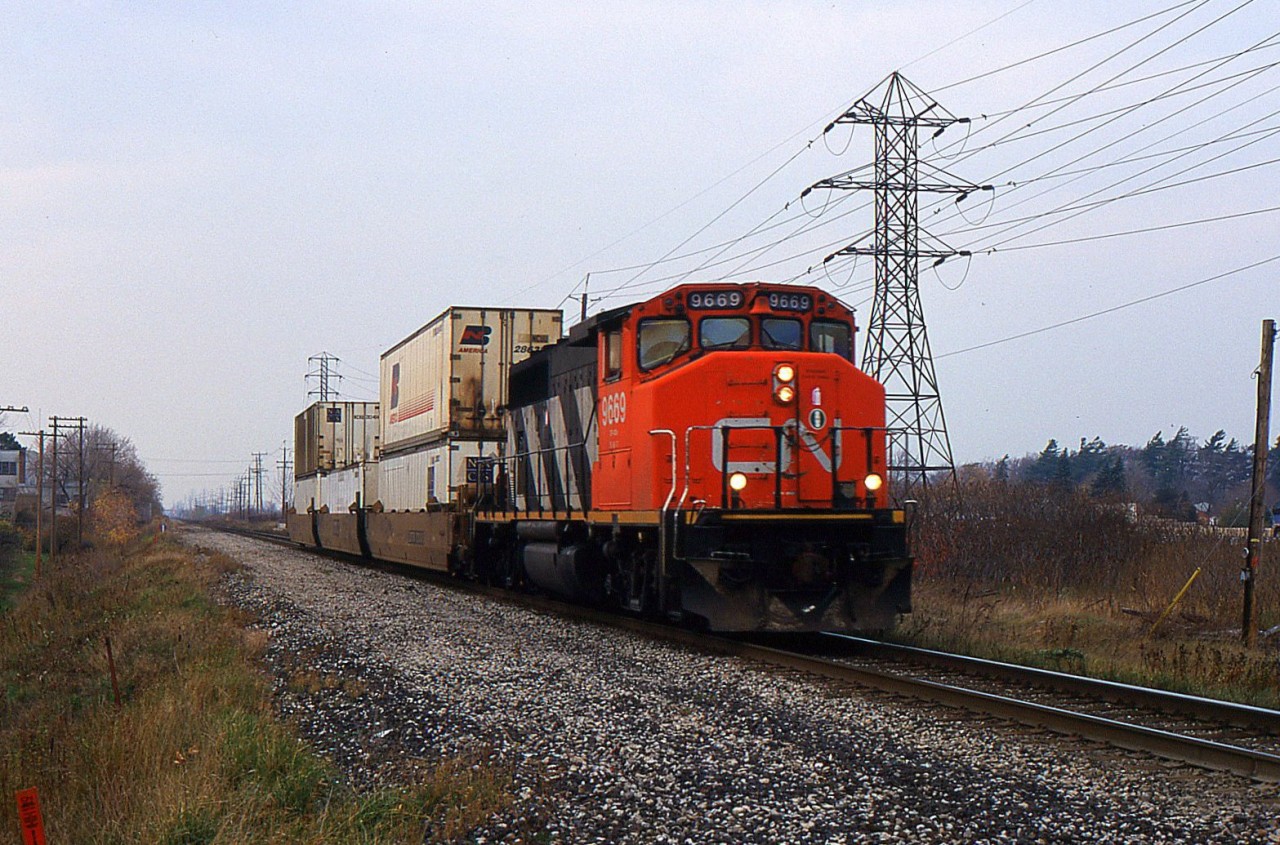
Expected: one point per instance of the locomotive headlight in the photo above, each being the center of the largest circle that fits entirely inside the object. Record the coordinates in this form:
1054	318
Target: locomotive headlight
874	482
738	482
784	383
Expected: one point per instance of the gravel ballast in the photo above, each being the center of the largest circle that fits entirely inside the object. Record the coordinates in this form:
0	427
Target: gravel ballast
610	737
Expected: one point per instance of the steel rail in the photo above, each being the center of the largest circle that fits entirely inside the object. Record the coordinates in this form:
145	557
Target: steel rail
1246	762
1182	704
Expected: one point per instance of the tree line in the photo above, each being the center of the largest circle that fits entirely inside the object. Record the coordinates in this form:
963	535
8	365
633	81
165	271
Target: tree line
111	464
1180	477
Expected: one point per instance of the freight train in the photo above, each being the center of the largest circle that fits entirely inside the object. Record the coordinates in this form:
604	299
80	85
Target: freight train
710	455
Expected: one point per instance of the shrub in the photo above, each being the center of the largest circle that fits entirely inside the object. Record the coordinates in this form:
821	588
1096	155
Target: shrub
113	519
11	542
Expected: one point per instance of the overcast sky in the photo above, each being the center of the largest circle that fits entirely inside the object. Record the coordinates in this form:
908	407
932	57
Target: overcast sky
194	198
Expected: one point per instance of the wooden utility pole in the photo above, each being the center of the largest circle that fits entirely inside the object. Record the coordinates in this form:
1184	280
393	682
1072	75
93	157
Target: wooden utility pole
1261	440
53	498
111	467
63	422
80	483
284	465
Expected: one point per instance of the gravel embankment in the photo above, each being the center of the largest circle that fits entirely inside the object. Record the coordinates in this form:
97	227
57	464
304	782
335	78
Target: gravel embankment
612	738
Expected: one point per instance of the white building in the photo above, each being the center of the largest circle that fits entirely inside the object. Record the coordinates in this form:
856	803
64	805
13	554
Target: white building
13	474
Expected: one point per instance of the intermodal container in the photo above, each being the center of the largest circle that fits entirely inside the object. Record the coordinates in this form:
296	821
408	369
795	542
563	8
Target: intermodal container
449	378
339	490
433	474
332	435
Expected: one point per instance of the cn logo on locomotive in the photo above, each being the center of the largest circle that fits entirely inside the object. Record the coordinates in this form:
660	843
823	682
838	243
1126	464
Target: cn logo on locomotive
804	434
613	409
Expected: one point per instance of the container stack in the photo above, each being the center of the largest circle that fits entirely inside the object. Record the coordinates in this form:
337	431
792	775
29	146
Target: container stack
443	400
336	447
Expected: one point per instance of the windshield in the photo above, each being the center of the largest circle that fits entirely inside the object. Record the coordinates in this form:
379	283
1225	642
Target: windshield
724	333
661	340
777	333
826	336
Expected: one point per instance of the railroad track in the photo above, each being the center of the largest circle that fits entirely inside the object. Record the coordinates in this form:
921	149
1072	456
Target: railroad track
1203	732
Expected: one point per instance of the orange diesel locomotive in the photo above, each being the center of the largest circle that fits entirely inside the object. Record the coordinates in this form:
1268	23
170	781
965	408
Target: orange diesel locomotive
712	455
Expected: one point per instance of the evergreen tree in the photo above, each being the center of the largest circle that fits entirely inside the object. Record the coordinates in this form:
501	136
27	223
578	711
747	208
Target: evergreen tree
1091	458
1045	467
1273	463
1152	455
1220	464
8	443
1002	470
1110	480
1062	472
1179	460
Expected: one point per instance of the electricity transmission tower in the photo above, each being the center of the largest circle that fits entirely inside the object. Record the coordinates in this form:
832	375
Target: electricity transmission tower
323	371
897	350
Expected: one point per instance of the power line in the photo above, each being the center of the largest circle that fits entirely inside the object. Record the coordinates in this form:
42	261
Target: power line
645	267
1113	143
1144	230
1110	310
757	251
1126	83
1089	206
1064	47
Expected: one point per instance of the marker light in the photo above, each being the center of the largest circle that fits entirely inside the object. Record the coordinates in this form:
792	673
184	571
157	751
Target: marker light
737	482
785	394
785	373
874	482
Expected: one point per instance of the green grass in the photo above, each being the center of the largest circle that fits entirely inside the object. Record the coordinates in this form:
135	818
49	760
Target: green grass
194	753
15	577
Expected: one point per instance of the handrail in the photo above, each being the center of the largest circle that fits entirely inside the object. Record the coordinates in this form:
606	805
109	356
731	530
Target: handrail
663	539
511	463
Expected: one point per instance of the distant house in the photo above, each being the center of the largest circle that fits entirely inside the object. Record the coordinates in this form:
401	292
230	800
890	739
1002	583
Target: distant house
13	474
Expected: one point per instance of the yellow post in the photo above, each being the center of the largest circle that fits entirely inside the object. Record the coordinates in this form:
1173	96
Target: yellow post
1176	599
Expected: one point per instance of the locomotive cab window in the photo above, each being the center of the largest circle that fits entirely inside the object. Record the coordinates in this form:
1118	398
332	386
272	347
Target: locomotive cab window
780	333
724	333
829	336
612	355
661	340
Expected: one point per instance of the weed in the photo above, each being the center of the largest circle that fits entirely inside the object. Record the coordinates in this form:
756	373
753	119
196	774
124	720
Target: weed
193	754
1056	579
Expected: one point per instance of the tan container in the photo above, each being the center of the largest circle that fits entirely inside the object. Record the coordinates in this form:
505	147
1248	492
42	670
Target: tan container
449	378
333	435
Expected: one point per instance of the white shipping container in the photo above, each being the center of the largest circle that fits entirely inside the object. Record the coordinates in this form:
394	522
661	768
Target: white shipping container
333	435
305	494
409	481
449	378
338	489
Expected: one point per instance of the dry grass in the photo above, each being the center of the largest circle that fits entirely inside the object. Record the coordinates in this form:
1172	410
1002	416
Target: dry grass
193	754
1054	579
